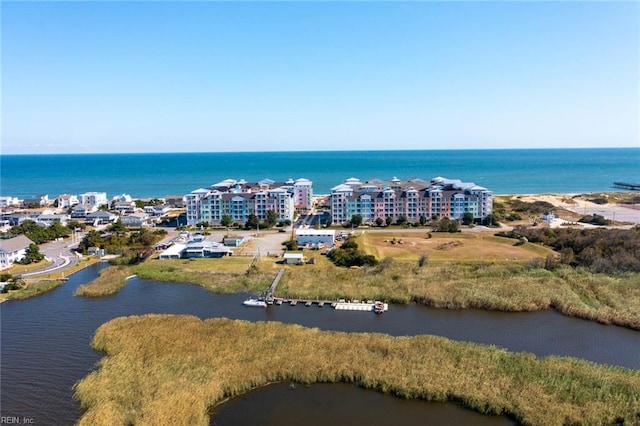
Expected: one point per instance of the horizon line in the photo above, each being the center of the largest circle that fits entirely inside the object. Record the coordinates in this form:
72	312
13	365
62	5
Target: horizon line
327	150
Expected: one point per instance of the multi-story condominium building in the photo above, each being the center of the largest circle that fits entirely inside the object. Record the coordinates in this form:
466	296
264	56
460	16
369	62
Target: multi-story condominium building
413	199
94	198
240	199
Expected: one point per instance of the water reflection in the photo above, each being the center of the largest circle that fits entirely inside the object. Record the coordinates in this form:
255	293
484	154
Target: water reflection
340	403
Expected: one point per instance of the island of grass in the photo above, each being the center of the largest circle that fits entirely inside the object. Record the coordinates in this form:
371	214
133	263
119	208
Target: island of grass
168	369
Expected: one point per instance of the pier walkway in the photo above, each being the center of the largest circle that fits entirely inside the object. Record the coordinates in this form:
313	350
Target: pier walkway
625	185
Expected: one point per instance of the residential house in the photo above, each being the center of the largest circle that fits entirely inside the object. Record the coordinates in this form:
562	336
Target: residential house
67	201
101	217
94	198
135	220
175	201
40	200
157	211
9	202
124	206
82	210
49	219
13	250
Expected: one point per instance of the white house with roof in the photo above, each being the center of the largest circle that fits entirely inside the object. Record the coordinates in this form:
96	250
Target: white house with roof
94	198
9	202
67	201
135	220
49	219
13	250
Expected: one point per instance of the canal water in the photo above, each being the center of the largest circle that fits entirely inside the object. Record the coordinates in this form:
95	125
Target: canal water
45	344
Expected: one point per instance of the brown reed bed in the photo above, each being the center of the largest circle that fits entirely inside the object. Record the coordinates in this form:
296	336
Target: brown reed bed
168	369
109	282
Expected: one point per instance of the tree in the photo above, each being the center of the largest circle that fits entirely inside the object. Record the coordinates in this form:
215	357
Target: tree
490	220
356	220
32	255
252	222
467	218
388	220
117	227
226	220
423	220
272	218
446	225
379	221
401	220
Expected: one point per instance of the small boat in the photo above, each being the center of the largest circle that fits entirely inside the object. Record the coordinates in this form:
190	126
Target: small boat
255	302
379	307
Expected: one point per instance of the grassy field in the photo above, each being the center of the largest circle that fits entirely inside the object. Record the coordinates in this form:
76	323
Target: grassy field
446	247
165	369
109	282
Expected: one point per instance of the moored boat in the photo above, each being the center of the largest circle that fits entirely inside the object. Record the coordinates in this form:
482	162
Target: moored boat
255	302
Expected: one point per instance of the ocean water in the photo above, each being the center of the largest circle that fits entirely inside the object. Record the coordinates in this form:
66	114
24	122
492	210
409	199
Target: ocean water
513	171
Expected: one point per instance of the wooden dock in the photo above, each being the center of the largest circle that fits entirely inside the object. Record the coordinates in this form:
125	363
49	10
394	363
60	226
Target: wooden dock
356	305
625	185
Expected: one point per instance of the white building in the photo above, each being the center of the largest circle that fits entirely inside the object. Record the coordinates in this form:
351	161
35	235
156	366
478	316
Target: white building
94	198
66	201
9	202
315	237
13	250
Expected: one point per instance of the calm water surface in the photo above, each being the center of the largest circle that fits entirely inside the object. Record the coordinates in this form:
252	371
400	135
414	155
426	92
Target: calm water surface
45	340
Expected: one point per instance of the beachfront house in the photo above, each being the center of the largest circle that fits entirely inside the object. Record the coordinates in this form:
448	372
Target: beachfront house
67	201
13	250
9	202
40	200
94	198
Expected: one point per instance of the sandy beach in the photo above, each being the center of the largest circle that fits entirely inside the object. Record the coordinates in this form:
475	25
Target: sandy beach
580	204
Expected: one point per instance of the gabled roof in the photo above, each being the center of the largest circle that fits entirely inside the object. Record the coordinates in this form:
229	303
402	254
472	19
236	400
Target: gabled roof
15	244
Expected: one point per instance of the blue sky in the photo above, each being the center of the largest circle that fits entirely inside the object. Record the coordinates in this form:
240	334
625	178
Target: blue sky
82	77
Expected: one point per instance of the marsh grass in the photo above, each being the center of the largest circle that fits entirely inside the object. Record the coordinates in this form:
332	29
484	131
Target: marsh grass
109	282
225	275
166	369
494	286
34	288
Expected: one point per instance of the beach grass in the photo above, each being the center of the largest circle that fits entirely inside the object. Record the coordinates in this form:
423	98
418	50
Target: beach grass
167	369
109	282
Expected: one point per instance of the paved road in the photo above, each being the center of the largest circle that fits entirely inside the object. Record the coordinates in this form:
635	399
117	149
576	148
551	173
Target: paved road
58	252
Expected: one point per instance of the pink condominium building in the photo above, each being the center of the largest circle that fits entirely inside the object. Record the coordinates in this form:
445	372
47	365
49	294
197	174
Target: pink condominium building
412	199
